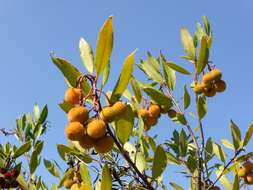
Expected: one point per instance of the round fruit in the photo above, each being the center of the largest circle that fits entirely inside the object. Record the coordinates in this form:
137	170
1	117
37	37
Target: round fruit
248	166
96	128
108	114
85	186
3	170
72	95
215	188
151	121
242	171
68	183
75	131
79	114
104	144
249	178
198	88
143	113
75	186
147	127
154	110
213	75
220	86
86	142
119	107
14	173
8	175
164	109
210	92
172	113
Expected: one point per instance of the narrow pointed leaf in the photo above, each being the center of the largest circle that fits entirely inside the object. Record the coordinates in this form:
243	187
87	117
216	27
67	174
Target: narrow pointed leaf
236	134
106	181
178	68
187	42
176	186
136	89
104	46
203	55
248	135
219	152
201	107
86	55
85	175
187	98
159	163
169	75
22	149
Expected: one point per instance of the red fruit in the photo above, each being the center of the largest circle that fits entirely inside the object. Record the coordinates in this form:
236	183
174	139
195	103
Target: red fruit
8	175
15	173
3	170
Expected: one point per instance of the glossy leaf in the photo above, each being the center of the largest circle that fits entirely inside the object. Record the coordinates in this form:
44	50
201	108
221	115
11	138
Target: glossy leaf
85	175
236	184
169	75
224	180
178	68
63	150
65	106
43	115
70	72
209	149
219	152
124	125
187	98
187	42
106	74
227	144
248	135
201	107
203	55
124	77
51	167
206	25
176	186
86	55
106	181
22	149
159	163
104	46
236	134
136	89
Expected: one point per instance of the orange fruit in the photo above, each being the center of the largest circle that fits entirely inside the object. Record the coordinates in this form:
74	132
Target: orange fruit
104	144
75	131
154	110
86	142
80	114
72	96
96	128
220	86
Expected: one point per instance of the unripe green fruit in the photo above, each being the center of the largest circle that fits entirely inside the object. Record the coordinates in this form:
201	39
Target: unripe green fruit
72	96
79	114
154	110
75	131
104	144
96	128
108	114
220	86
119	107
86	142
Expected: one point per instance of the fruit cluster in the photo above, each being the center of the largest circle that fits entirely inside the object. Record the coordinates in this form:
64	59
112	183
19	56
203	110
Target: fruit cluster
246	172
151	115
74	182
211	83
8	178
90	132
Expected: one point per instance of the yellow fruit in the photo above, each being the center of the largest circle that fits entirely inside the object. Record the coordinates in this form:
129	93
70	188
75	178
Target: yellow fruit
210	92
119	107
72	95
86	142
108	114
172	113
75	131
242	171
104	144
79	114
154	110
198	88
85	186
220	86
96	128
213	75
249	178
68	183
143	113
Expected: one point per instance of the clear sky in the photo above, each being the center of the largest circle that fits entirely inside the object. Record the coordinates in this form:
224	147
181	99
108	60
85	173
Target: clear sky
30	30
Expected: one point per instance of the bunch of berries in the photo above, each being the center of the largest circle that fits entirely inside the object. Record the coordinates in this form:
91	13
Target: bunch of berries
90	131
211	84
246	172
8	178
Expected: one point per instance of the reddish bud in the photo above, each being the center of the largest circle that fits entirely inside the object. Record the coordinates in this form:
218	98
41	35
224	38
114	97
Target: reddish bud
8	175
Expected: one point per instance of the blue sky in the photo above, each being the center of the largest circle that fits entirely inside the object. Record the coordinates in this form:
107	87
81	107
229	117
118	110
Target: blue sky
30	30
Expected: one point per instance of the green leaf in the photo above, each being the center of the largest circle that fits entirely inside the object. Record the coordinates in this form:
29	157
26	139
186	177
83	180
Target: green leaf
181	118
227	144
159	163
22	149
187	42
209	149
248	135
36	111
236	185
70	72
63	150
136	89
236	134
69	174
86	55
51	167
124	77
178	68
106	182
65	106
43	115
169	75
106	74
201	107
187	98
85	175
172	158
224	180
183	143
219	152
157	96
34	161
206	25
104	46
203	55
176	186
124	125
